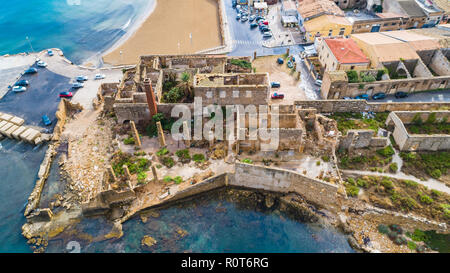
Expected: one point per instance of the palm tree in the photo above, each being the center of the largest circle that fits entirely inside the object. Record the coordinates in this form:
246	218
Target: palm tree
185	84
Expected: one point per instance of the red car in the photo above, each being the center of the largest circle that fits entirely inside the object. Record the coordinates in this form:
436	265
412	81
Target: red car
65	94
266	23
277	96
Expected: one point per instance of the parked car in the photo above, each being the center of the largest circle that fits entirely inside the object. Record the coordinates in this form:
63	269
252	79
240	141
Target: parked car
31	70
46	120
252	18
267	35
400	95
244	18
41	64
234	3
22	83
379	96
265	23
253	25
265	29
19	89
99	76
81	78
290	64
362	97
259	18
318	82
276	96
66	94
50	52
238	17
77	85
280	61
347	98
275	84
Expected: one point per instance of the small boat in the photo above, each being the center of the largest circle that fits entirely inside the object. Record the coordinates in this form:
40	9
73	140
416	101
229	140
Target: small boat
46	120
19	89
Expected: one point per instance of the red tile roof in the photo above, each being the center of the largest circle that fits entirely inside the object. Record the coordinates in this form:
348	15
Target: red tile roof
346	51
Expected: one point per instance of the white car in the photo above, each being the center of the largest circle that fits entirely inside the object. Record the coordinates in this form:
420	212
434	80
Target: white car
41	64
318	82
99	77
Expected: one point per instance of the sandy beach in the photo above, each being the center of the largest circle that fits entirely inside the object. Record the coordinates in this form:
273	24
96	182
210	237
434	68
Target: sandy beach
168	30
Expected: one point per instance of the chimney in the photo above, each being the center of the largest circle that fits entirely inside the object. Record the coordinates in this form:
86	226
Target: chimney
151	101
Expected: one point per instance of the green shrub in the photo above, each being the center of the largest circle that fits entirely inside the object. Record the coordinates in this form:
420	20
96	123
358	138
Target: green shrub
178	179
247	160
326	158
410	183
436	193
387	183
168	161
162	151
184	155
383	229
387	151
412	245
318	163
167	179
352	190
351	181
393	167
352	76
198	158
425	198
408	203
174	95
141	177
418	236
436	173
241	63
362	183
129	141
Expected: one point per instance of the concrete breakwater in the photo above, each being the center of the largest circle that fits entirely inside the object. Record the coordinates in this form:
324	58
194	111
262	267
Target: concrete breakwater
12	127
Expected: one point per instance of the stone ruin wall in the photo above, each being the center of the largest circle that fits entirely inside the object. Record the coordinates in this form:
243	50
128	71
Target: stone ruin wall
417	142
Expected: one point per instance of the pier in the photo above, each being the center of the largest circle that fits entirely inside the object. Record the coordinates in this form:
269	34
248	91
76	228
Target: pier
12	127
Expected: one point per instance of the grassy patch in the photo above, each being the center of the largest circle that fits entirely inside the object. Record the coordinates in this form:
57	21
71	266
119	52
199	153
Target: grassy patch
434	164
350	121
198	158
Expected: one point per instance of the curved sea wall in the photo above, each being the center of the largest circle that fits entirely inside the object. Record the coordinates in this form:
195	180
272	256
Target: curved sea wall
285	181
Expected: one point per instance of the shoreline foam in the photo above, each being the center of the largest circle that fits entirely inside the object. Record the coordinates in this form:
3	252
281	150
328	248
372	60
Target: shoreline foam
98	58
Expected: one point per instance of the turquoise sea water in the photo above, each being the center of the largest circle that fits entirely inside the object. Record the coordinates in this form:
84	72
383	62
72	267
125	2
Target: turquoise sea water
81	28
216	222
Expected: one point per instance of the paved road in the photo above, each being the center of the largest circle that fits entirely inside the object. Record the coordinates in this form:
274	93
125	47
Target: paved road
432	96
246	41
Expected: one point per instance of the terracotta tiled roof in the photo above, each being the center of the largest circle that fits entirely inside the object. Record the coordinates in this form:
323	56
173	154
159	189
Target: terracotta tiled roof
346	51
